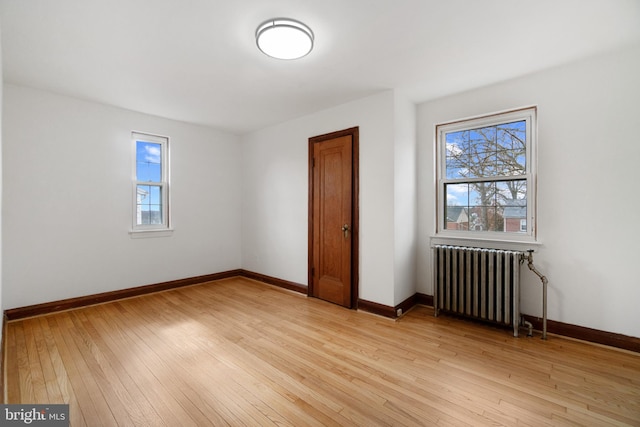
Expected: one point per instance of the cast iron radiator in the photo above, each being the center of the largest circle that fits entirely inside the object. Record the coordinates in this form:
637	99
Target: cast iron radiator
478	283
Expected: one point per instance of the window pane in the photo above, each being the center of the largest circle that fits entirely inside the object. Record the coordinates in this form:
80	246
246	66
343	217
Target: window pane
148	161
482	152
486	206
511	193
513	200
457	208
511	148
457	157
149	204
486	152
484	218
482	207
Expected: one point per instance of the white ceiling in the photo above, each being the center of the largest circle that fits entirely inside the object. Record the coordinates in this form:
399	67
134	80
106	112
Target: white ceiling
196	60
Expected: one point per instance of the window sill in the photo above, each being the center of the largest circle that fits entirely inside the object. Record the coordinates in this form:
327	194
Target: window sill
524	243
145	234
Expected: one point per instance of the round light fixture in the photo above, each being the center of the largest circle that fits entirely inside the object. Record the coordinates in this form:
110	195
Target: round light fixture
284	38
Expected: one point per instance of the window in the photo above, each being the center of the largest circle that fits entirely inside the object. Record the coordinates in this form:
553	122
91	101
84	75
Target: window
151	183
485	176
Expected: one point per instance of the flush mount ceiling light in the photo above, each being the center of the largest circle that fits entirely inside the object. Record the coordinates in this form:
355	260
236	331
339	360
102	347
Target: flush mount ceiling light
284	38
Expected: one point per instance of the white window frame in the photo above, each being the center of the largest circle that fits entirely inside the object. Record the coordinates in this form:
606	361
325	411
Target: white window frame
164	228
529	115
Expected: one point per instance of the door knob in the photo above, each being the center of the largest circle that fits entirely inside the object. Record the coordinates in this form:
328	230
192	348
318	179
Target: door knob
345	229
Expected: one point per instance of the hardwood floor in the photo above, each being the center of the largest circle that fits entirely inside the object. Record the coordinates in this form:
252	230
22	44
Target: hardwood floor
239	352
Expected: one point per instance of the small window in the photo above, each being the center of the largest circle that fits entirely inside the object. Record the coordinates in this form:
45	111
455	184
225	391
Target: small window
485	176
151	183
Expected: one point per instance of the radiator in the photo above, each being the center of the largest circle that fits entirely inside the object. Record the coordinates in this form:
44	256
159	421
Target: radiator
478	283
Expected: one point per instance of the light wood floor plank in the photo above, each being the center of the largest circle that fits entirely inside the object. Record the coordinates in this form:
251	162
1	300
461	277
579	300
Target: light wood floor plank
25	369
164	363
139	373
12	382
83	407
95	409
47	357
239	352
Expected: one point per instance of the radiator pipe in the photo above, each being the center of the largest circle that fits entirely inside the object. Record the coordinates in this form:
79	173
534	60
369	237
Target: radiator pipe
529	258
529	326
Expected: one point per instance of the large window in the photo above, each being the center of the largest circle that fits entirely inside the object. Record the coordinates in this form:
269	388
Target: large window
486	176
151	184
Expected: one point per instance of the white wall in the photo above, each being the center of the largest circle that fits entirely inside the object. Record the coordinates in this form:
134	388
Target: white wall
68	193
275	194
588	205
67	200
405	199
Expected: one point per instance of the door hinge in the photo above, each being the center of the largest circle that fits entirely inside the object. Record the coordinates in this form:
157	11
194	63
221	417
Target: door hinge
313	165
313	271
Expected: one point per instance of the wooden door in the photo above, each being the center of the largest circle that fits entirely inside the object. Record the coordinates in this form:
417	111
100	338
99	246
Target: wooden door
333	217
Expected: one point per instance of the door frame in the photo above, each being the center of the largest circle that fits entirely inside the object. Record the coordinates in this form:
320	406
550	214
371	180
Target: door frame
355	209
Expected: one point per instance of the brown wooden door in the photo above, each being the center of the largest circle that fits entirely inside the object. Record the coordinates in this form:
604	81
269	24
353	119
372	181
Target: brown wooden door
332	226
